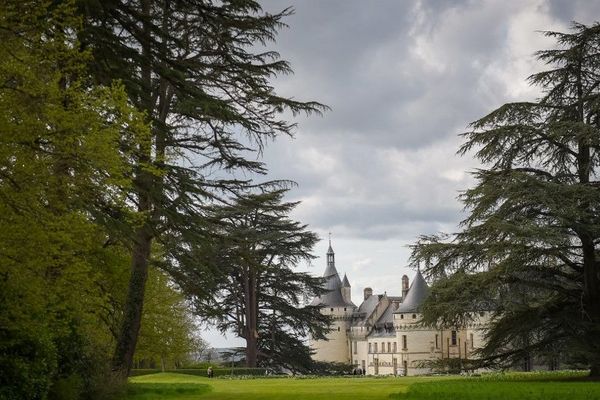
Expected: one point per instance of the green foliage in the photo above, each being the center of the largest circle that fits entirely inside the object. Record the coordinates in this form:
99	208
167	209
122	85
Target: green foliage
169	333
237	371
528	250
60	160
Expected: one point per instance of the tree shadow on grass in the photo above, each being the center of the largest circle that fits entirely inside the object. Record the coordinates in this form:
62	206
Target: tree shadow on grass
151	391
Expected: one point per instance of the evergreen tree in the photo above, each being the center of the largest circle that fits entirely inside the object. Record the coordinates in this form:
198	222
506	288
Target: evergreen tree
254	290
196	69
528	251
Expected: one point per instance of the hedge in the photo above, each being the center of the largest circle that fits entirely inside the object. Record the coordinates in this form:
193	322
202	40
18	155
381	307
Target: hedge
203	371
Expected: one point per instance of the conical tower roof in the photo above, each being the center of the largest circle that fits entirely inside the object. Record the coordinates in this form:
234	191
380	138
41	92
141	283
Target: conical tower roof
330	271
345	282
417	293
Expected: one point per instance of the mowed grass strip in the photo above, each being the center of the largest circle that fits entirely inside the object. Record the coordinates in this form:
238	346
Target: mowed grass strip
522	386
281	388
166	386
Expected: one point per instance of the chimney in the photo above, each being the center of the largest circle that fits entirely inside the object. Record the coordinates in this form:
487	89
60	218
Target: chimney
404	286
368	292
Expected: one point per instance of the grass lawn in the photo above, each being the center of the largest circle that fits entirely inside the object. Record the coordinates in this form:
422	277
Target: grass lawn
171	386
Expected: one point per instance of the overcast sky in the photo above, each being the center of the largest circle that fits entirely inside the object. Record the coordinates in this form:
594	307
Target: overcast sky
403	78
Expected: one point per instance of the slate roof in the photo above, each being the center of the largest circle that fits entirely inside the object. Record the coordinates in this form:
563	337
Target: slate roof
333	283
417	292
384	326
345	282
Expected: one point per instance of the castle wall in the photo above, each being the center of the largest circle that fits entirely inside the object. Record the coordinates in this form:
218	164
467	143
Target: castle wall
359	357
336	349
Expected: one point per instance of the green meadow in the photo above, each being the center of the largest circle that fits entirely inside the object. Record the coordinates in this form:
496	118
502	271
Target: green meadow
547	386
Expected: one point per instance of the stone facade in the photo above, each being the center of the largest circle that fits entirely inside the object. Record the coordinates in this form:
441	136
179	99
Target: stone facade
382	335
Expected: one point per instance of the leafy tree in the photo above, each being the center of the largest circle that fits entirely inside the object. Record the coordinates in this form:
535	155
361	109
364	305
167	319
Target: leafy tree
254	291
169	333
60	152
528	251
196	69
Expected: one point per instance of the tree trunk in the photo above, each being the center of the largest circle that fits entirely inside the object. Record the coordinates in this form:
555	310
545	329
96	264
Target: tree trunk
251	321
591	278
595	371
132	315
145	184
591	301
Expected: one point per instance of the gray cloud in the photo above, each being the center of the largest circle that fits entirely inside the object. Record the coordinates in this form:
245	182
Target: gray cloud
403	78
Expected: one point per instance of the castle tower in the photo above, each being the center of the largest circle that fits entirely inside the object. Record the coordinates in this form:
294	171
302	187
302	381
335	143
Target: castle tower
413	341
346	290
336	302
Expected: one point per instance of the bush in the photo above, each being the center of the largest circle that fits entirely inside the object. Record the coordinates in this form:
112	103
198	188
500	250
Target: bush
68	388
332	368
203	371
143	371
201	365
27	364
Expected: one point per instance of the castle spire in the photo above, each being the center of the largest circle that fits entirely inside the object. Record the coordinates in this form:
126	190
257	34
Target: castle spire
330	255
330	269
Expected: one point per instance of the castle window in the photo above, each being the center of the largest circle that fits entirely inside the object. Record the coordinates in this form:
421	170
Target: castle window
453	340
404	343
437	342
395	347
414	316
472	342
401	316
331	309
344	308
370	349
389	347
481	313
355	347
374	347
338	328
